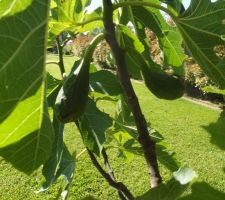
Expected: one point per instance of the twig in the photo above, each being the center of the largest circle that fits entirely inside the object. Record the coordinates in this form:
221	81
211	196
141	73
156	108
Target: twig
110	171
60	52
65	42
144	139
117	185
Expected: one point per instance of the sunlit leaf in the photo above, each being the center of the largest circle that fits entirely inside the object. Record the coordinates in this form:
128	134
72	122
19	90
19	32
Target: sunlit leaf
127	39
26	132
211	89
172	190
202	27
70	15
185	175
8	8
170	40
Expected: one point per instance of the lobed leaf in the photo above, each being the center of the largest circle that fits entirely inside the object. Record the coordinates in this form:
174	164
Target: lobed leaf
50	168
93	125
203	29
8	8
127	39
105	82
170	40
26	133
69	15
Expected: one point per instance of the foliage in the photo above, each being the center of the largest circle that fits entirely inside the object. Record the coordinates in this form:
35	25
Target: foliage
32	127
179	138
26	130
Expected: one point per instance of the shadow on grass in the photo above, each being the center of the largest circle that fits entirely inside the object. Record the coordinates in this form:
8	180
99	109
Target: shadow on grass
89	198
203	191
217	131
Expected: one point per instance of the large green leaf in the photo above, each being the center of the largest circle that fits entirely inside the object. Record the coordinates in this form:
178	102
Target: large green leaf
67	165
126	145
93	125
69	15
125	134
51	167
212	89
26	134
105	82
170	40
65	169
127	39
203	29
60	162
71	10
8	8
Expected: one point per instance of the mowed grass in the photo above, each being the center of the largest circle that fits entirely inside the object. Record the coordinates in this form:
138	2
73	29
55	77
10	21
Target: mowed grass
194	132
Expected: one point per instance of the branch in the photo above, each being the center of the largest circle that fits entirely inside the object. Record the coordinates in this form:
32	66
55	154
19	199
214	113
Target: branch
142	3
144	139
117	185
110	171
60	52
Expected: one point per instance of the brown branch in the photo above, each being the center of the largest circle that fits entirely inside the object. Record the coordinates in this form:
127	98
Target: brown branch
144	139
60	52
117	185
110	171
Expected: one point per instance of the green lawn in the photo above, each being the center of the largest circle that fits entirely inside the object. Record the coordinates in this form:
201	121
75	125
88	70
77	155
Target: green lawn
194	132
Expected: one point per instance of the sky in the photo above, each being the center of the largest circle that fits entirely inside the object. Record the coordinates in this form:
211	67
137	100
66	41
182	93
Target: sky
97	3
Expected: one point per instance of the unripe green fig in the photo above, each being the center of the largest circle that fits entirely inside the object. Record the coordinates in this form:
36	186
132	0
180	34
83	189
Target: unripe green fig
161	84
73	95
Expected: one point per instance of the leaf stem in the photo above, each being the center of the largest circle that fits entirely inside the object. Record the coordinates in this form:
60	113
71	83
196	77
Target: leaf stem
94	19
143	3
81	153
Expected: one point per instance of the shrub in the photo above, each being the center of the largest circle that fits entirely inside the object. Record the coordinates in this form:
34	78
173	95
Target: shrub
195	76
